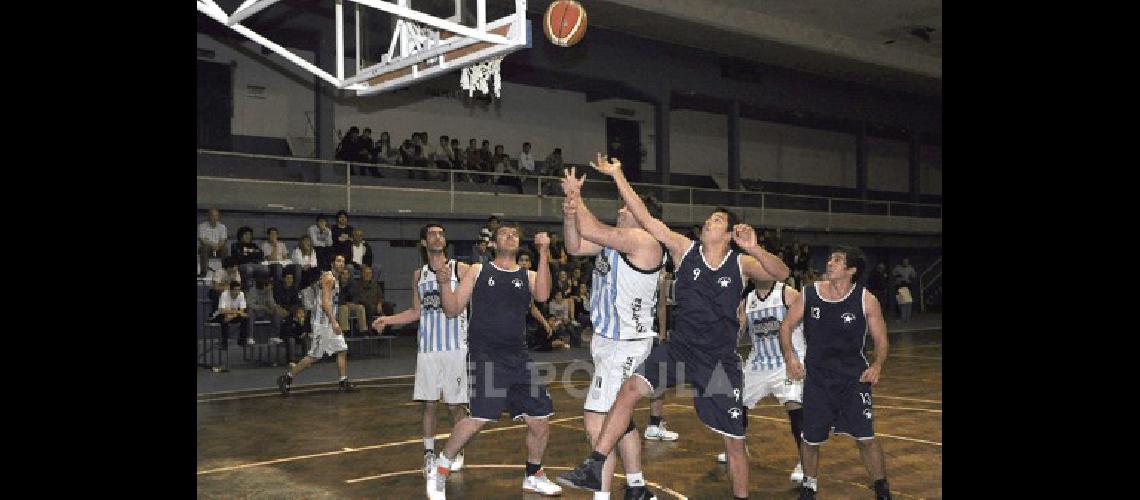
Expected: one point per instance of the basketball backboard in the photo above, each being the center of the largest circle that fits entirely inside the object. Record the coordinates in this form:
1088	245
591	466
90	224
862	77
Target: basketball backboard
422	45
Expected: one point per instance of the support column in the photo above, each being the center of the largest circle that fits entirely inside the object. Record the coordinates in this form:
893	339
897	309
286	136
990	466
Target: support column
734	145
661	131
915	168
861	159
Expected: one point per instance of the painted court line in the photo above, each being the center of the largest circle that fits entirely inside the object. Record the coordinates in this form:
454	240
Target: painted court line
418	440
939	358
501	466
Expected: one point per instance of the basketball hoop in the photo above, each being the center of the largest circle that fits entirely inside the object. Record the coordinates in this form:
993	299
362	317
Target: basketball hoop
476	76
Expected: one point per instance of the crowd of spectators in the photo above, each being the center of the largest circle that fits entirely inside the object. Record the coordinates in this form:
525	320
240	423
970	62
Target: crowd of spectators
483	162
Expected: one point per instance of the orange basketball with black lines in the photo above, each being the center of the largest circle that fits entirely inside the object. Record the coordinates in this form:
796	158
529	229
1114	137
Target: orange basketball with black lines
564	22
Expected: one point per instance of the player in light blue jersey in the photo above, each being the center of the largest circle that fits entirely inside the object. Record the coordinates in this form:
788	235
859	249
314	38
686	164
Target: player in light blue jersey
328	338
441	365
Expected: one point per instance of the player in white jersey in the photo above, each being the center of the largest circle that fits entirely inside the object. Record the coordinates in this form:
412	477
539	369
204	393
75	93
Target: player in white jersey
623	308
441	365
761	314
328	338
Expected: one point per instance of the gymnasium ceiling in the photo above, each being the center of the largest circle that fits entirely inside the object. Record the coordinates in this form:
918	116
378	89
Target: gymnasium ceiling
889	44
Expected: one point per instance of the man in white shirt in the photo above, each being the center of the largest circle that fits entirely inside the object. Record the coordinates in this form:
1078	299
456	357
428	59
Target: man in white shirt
321	234
232	309
526	160
361	250
211	241
276	253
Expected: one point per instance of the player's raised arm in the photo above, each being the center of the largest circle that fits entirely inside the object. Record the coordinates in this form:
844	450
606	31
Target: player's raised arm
757	263
675	242
571	187
540	281
453	302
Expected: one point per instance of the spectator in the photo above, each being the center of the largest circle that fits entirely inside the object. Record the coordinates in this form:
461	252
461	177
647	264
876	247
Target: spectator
581	300
563	282
442	155
277	254
561	309
480	251
360	252
553	164
342	236
558	257
879	282
905	276
249	256
351	147
222	278
262	306
382	151
486	159
801	263
576	276
471	160
286	295
905	300
366	144
231	309
502	165
306	265
406	152
366	292
321	236
526	161
293	330
347	307
455	155
211	241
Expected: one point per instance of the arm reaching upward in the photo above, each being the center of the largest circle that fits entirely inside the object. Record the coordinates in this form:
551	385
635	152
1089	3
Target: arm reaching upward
575	245
757	263
453	302
540	281
675	242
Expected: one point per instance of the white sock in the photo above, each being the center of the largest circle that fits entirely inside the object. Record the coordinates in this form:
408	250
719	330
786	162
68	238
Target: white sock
443	461
429	443
634	479
601	495
810	482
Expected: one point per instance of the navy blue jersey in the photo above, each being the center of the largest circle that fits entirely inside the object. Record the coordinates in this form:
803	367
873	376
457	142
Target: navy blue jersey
706	303
499	305
835	332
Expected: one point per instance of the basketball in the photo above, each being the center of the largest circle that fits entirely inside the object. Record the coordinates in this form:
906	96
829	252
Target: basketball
564	22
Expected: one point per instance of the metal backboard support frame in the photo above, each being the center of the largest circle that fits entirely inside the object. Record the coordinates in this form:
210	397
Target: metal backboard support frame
422	45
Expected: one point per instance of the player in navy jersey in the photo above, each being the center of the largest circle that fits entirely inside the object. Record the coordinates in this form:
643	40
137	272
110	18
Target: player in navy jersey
441	364
623	308
328	339
837	315
710	281
499	369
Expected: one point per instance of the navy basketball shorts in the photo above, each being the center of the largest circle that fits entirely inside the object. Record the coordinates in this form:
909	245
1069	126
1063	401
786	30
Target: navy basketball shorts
834	400
718	384
497	382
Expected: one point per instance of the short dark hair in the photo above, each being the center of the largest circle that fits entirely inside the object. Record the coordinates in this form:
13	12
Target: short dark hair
526	144
652	206
444	138
424	230
242	230
733	219
505	225
853	257
342	212
367	129
272	230
322	217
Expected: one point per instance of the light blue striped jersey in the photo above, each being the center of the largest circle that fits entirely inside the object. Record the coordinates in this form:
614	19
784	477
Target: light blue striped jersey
623	298
437	332
763	318
319	318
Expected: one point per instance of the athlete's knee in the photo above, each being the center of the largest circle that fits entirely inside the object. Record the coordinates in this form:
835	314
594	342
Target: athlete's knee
637	386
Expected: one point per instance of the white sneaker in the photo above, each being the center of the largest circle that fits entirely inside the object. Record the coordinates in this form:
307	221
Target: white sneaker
723	459
660	433
436	484
457	463
538	483
798	473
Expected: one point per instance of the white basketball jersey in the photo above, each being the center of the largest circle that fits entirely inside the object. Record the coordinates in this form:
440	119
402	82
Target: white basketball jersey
764	318
623	298
437	331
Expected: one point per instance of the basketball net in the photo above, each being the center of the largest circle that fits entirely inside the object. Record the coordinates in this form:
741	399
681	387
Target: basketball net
476	76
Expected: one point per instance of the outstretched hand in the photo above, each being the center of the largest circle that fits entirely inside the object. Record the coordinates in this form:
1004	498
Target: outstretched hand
607	166
744	236
571	185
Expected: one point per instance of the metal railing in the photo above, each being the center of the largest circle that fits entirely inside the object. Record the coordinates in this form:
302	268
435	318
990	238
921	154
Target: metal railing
224	165
924	284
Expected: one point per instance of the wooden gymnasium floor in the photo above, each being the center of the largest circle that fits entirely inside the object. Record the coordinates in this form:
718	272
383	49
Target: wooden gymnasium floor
320	443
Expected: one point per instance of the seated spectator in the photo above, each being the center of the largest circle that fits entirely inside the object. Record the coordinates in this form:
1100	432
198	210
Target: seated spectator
558	256
232	309
561	309
360	251
306	265
293	331
341	237
262	306
552	167
222	278
321	236
502	165
481	250
348	307
562	283
581	300
277	255
383	152
286	295
576	276
211	241
249	256
441	156
366	292
486	157
526	161
351	147
455	155
471	160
